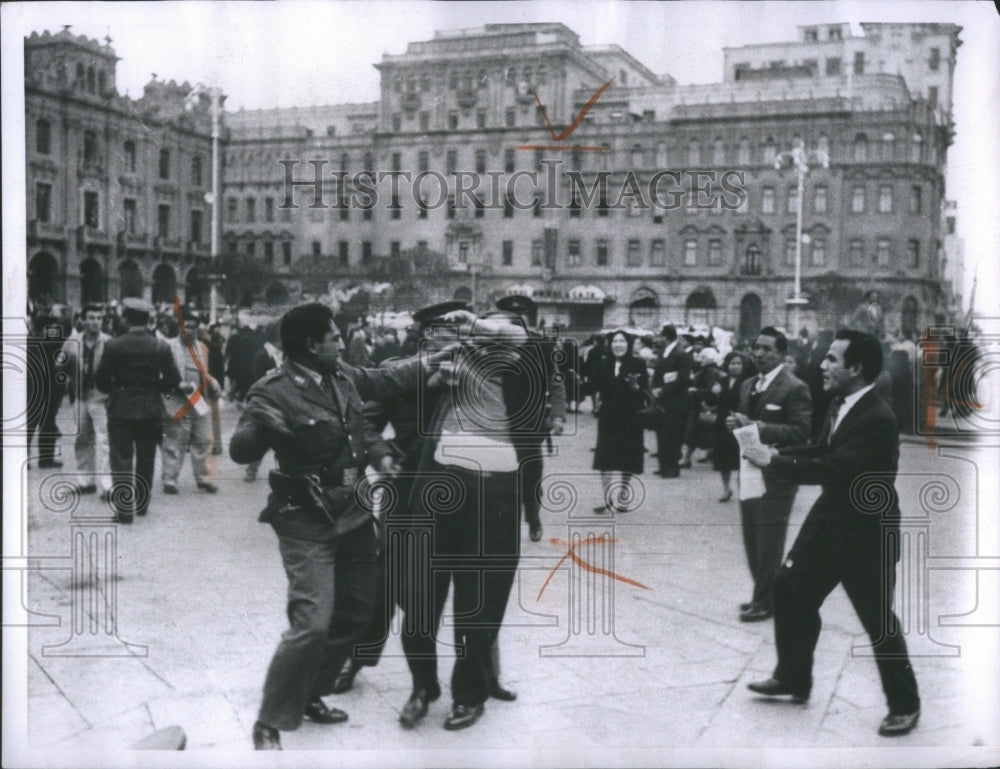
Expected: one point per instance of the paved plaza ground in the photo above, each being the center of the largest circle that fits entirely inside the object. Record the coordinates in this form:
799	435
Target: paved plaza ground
608	672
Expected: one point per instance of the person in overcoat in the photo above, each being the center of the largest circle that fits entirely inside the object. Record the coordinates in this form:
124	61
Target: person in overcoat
620	386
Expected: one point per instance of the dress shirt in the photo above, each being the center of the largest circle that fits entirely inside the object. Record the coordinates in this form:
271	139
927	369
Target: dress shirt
848	404
764	380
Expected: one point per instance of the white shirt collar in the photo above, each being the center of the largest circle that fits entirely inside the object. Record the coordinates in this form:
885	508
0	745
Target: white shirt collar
848	404
765	379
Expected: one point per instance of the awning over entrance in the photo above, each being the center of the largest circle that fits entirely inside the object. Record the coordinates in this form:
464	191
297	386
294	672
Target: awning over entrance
591	292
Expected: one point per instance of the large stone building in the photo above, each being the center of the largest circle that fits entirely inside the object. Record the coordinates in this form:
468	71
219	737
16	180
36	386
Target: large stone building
613	228
116	187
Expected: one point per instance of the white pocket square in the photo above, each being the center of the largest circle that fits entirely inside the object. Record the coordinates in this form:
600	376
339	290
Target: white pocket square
772	407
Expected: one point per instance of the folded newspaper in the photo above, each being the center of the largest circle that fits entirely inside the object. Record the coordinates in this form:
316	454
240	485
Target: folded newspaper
751	476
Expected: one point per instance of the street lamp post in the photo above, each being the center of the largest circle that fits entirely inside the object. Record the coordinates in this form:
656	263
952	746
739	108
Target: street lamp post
215	100
800	158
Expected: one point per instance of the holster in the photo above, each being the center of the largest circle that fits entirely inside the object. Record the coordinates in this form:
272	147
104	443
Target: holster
307	491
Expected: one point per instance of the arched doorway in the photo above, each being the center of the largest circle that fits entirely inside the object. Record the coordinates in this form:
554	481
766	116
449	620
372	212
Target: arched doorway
700	307
164	284
750	315
196	289
43	272
129	280
462	294
91	282
276	294
644	309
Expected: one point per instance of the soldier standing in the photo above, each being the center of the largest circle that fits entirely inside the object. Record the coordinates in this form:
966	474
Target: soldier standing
310	412
135	370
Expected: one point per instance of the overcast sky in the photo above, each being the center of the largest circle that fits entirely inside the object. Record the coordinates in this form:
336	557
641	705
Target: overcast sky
303	53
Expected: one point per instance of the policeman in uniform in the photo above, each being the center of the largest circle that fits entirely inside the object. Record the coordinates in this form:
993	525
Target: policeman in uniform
135	370
542	415
310	412
410	417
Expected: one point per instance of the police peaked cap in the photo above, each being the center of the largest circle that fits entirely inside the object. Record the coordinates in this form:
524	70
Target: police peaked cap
425	315
517	303
137	310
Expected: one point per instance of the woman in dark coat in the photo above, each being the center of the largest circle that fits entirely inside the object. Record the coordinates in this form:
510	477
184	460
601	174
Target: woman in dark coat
620	384
725	397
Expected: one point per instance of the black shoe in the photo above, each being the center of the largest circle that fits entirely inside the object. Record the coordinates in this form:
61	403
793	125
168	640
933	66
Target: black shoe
746	606
726	497
265	738
49	463
535	531
772	687
497	692
416	707
756	614
317	712
169	488
210	488
462	716
344	681
896	725
90	488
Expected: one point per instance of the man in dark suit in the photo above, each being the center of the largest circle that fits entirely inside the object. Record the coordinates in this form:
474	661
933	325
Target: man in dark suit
136	370
671	379
780	405
851	535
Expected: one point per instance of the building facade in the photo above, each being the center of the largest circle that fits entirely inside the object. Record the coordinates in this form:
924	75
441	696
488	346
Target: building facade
116	187
513	159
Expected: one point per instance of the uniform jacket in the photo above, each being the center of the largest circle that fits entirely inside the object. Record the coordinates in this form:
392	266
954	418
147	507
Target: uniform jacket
136	369
672	375
331	438
857	470
74	349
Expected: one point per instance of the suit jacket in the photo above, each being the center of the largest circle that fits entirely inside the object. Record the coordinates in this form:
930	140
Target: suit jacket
135	370
784	409
784	414
857	470
672	375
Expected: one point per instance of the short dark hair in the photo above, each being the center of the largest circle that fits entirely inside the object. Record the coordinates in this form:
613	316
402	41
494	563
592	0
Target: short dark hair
669	332
864	349
92	307
780	340
300	324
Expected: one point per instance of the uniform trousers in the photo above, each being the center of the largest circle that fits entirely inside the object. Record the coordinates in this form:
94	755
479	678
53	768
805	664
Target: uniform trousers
91	446
474	548
331	596
189	434
869	577
765	525
128	439
530	483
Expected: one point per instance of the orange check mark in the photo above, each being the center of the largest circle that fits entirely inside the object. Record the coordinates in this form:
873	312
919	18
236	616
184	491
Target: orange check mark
579	116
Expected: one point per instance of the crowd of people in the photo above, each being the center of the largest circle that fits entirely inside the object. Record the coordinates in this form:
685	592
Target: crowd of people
471	402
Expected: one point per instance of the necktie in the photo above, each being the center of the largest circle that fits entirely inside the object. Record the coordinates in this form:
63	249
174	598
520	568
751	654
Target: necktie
835	407
755	392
